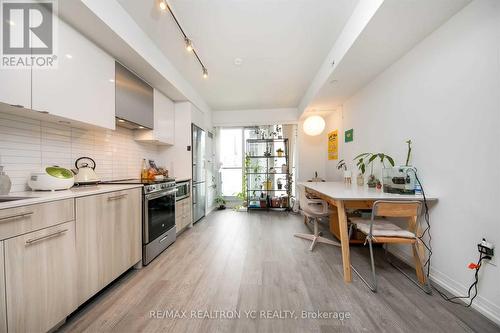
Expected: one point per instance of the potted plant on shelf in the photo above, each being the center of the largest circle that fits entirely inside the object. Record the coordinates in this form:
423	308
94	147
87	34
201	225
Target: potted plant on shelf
347	173
268	184
280	152
365	159
221	202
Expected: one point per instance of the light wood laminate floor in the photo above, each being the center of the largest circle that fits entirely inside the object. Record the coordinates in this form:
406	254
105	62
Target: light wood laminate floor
233	261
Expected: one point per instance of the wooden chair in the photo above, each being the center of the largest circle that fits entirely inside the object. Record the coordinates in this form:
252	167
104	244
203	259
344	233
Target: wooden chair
313	210
385	232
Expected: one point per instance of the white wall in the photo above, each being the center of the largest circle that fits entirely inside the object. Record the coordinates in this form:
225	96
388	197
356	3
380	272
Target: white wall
313	150
445	95
255	117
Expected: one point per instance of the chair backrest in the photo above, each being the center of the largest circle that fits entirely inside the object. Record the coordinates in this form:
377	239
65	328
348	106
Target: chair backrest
301	189
396	208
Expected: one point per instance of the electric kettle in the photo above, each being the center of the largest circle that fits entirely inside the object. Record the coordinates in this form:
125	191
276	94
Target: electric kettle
85	172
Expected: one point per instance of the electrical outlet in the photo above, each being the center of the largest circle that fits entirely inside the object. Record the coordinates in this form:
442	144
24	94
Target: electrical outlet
487	249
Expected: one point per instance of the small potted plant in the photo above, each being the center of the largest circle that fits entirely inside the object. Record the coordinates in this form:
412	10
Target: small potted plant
268	184
365	159
221	202
280	152
262	200
347	173
360	178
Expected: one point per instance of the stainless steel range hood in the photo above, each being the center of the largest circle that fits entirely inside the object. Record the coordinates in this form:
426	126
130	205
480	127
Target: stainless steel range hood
133	100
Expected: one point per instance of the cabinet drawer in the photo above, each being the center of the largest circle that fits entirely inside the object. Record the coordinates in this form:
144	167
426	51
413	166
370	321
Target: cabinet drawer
21	220
40	278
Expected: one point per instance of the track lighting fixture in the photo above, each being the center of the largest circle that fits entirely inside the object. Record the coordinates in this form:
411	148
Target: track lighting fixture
188	42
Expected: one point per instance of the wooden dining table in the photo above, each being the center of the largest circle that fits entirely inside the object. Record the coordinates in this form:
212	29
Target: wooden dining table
341	197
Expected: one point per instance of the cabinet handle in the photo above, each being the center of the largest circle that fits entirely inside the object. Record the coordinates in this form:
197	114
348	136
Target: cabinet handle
163	239
17	105
117	197
34	240
17	216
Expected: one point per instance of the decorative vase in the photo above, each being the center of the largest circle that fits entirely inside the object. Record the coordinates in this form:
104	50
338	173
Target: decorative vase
347	177
284	168
360	180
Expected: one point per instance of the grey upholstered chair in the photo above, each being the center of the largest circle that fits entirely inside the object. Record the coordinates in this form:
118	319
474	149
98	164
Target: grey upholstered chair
313	210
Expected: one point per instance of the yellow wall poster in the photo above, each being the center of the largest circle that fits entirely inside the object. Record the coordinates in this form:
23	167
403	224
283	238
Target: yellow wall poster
333	145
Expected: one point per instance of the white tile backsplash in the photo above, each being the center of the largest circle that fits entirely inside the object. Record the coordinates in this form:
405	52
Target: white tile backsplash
27	145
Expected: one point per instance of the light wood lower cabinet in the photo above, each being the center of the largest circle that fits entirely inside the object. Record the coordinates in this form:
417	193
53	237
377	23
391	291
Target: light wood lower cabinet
3	306
20	220
40	278
108	237
183	214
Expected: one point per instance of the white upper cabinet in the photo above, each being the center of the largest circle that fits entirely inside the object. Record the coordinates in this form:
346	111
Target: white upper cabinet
82	86
15	87
15	83
164	122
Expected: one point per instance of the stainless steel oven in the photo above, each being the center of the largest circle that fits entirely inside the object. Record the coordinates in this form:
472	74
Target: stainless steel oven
183	189
159	219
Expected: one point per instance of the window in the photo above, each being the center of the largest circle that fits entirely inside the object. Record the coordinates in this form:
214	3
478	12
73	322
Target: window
231	158
231	155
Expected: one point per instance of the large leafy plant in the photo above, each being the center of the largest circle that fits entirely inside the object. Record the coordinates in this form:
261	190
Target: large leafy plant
367	159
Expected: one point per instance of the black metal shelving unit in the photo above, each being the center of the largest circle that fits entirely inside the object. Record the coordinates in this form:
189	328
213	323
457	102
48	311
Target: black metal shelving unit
267	174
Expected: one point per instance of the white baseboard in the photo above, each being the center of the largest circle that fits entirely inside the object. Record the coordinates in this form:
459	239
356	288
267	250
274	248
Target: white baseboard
481	304
210	209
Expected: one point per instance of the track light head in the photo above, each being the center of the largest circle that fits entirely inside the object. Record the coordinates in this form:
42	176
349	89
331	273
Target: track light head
205	73
163	5
189	44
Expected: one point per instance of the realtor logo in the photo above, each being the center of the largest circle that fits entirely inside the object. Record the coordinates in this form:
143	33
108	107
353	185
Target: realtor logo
28	33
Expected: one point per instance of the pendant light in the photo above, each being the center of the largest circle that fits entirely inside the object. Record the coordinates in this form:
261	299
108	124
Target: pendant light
314	125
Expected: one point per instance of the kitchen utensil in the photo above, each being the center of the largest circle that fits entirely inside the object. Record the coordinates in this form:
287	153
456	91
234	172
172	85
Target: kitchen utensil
85	172
51	179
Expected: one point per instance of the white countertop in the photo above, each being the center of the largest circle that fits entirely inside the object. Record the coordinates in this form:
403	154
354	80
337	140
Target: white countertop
35	197
182	179
342	191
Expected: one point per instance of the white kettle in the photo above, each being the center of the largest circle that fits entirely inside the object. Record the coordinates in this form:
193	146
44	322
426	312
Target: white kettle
85	172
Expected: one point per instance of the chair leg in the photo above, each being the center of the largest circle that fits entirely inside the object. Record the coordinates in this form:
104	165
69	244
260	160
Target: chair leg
426	287
370	245
316	237
373	287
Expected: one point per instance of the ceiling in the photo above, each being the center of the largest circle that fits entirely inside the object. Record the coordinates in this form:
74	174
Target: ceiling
396	27
281	44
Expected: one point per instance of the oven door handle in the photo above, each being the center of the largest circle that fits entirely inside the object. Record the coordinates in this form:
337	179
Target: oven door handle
159	195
